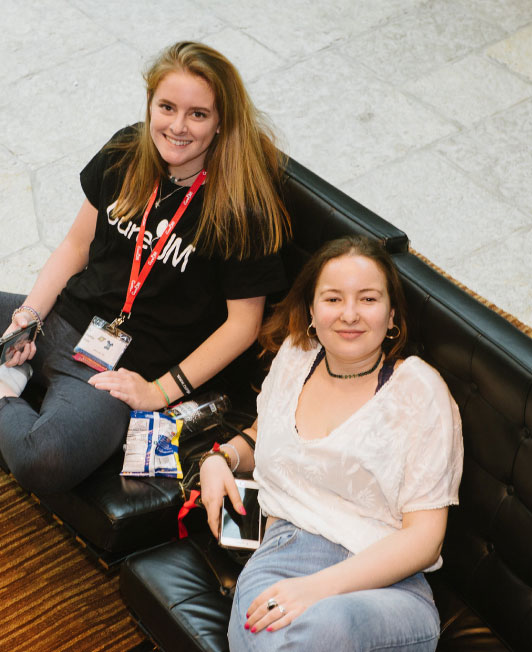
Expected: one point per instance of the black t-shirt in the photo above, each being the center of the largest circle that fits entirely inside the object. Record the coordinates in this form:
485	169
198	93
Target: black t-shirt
184	297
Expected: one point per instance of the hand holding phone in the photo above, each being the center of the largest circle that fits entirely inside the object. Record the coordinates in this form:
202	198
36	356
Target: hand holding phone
16	341
236	530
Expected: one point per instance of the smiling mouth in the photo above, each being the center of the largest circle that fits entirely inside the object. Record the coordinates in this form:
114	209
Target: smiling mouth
178	143
349	333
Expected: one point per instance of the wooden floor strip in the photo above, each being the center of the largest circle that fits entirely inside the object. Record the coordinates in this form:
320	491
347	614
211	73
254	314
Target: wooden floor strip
54	598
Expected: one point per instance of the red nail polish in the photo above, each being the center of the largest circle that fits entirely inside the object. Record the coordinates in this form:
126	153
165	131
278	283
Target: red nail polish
242	510
253	629
246	626
269	629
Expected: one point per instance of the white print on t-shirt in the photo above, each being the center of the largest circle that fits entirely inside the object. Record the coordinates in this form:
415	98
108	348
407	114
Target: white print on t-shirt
173	244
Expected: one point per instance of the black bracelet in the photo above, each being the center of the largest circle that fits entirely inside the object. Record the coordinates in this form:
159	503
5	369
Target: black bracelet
181	380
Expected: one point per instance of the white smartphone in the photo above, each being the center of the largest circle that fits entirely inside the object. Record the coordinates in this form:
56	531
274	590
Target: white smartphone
236	530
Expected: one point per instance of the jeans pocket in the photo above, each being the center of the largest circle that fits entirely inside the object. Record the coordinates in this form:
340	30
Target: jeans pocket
284	535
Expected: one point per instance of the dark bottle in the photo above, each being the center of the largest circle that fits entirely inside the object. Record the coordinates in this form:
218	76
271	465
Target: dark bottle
201	414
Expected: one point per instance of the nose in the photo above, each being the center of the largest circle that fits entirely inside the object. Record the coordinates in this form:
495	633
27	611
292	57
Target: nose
350	312
178	125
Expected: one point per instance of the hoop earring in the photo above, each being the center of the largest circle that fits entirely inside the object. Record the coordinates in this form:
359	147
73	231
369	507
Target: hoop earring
396	335
311	325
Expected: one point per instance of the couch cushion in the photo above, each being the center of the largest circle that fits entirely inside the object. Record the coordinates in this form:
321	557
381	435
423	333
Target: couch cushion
117	515
176	597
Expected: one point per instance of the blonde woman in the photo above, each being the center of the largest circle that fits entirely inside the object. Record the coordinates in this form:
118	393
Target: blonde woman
175	245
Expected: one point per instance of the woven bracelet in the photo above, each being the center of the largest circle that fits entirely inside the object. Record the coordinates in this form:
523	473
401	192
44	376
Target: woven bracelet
160	388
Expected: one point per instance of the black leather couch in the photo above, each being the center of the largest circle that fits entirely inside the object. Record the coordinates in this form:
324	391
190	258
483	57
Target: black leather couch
484	590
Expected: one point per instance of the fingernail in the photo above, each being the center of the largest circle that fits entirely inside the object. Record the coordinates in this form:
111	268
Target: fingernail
253	629
269	629
246	626
242	510
247	615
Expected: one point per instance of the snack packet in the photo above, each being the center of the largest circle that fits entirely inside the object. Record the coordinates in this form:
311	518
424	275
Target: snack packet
152	445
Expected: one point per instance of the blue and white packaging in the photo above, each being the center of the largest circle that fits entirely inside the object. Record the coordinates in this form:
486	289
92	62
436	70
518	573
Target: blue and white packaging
152	445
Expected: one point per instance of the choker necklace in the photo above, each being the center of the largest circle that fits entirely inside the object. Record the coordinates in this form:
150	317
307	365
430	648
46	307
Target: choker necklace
176	181
362	373
161	199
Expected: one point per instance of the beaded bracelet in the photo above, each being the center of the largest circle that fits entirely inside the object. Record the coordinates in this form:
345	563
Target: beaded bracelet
33	312
160	388
236	453
215	450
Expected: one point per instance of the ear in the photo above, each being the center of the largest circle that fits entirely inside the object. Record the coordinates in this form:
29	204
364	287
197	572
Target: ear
390	321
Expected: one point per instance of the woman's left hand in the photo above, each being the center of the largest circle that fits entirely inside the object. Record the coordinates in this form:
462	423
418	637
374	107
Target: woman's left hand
293	596
130	387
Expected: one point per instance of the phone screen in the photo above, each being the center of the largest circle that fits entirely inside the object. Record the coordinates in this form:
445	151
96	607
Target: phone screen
16	341
238	530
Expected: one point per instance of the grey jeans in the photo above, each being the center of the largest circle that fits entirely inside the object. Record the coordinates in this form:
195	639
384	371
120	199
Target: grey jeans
76	428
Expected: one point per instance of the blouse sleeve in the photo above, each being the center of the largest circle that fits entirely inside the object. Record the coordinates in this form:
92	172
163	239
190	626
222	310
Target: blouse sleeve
434	458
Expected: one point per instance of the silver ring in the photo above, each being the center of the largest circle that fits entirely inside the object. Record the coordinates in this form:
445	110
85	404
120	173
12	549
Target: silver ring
271	604
281	608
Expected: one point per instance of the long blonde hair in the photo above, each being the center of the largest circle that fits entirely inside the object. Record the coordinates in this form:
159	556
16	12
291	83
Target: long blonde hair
243	214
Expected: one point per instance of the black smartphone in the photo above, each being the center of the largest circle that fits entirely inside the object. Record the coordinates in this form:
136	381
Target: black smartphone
15	341
236	530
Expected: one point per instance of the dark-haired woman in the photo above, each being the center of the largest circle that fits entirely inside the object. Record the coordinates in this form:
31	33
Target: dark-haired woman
160	282
358	456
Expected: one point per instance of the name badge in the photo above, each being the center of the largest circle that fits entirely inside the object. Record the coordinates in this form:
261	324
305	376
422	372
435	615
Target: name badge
101	346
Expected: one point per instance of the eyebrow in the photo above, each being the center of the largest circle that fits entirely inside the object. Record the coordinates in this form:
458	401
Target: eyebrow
371	290
192	108
332	289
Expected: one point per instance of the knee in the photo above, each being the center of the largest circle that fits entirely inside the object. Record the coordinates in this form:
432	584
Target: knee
363	623
328	626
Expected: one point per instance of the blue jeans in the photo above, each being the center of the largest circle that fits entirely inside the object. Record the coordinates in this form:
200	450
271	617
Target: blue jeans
399	617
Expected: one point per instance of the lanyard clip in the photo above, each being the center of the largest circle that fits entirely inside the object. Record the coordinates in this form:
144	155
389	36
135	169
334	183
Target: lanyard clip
113	327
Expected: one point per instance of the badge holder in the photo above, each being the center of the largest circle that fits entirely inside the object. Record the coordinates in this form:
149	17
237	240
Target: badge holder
102	344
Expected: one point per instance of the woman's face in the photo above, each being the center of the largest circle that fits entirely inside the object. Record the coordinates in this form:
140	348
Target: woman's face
184	121
351	308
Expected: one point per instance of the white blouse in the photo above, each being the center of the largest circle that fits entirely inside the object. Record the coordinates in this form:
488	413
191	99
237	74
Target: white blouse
402	451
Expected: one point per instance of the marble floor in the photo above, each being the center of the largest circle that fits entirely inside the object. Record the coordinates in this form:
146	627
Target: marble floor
419	109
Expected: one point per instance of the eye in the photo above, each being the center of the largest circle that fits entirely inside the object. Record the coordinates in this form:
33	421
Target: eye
165	107
199	114
369	299
332	299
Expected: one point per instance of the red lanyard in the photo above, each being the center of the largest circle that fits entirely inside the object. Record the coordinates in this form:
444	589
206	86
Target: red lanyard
138	276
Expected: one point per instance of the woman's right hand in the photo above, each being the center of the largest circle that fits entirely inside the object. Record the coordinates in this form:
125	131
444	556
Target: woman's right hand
21	320
217	481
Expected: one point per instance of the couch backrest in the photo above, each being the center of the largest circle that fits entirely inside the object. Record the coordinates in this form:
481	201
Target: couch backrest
487	364
321	212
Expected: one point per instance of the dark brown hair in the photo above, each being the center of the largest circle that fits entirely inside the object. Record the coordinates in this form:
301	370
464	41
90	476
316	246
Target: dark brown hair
291	316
